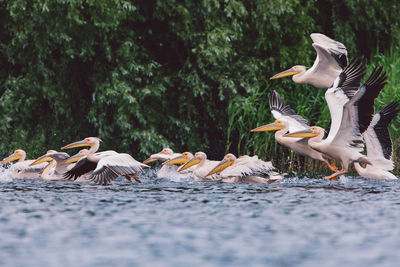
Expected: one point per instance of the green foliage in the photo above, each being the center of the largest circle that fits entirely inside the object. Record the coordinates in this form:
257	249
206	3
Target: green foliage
145	74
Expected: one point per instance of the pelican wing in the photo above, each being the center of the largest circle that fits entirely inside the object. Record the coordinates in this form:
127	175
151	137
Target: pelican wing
82	167
358	112
342	90
377	137
280	111
110	168
332	52
23	167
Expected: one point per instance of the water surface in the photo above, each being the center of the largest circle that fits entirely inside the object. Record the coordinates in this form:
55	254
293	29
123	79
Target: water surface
300	222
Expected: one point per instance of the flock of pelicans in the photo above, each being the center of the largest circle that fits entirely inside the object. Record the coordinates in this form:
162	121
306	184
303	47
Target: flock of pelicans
353	124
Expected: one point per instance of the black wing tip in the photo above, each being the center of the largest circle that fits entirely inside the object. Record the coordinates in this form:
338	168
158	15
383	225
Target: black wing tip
389	112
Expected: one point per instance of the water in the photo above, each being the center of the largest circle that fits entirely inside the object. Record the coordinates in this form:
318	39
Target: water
301	222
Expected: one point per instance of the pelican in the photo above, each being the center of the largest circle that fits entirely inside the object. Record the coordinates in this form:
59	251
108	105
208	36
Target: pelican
166	171
21	169
246	169
59	164
202	168
182	159
346	145
379	145
330	61
106	165
288	121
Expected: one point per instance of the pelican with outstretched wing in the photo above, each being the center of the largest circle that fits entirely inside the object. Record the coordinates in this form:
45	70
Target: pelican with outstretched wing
106	166
330	61
287	120
379	145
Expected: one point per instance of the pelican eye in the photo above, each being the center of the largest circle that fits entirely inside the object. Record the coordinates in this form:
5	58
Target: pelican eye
16	152
278	122
87	140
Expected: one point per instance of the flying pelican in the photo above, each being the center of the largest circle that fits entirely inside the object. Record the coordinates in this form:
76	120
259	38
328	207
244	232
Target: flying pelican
166	171
21	169
331	60
379	145
288	121
246	169
346	145
106	165
202	168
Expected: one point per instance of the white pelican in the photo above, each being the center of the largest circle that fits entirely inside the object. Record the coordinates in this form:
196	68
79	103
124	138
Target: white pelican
202	168
21	169
59	164
288	121
246	169
346	145
166	171
330	61
106	165
379	145
182	159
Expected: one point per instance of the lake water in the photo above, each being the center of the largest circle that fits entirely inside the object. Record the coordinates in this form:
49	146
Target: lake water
300	222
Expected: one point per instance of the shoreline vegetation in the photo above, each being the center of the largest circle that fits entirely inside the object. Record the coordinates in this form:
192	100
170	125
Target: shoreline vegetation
190	75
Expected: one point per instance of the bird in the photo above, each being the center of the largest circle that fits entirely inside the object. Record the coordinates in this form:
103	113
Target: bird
106	166
182	159
168	170
347	144
379	145
21	169
59	164
246	169
202	168
287	120
330	61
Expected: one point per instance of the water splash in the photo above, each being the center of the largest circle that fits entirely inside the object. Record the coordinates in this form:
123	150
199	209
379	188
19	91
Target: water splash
5	174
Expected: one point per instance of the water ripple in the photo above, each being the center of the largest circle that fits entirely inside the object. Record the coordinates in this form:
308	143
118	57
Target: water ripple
300	221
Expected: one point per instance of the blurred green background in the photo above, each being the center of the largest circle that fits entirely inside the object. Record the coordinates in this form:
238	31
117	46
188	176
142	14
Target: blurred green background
190	75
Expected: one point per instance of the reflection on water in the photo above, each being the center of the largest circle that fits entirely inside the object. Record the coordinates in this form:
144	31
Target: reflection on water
298	222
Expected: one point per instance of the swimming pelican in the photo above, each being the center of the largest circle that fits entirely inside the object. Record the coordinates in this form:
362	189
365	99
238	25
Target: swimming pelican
182	159
288	121
379	145
59	164
346	145
21	169
202	168
246	169
330	61
106	165
168	170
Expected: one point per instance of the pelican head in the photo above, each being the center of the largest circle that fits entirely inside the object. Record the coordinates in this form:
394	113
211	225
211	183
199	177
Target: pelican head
88	141
292	71
18	154
198	157
184	158
306	133
77	156
275	126
228	160
160	155
44	158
